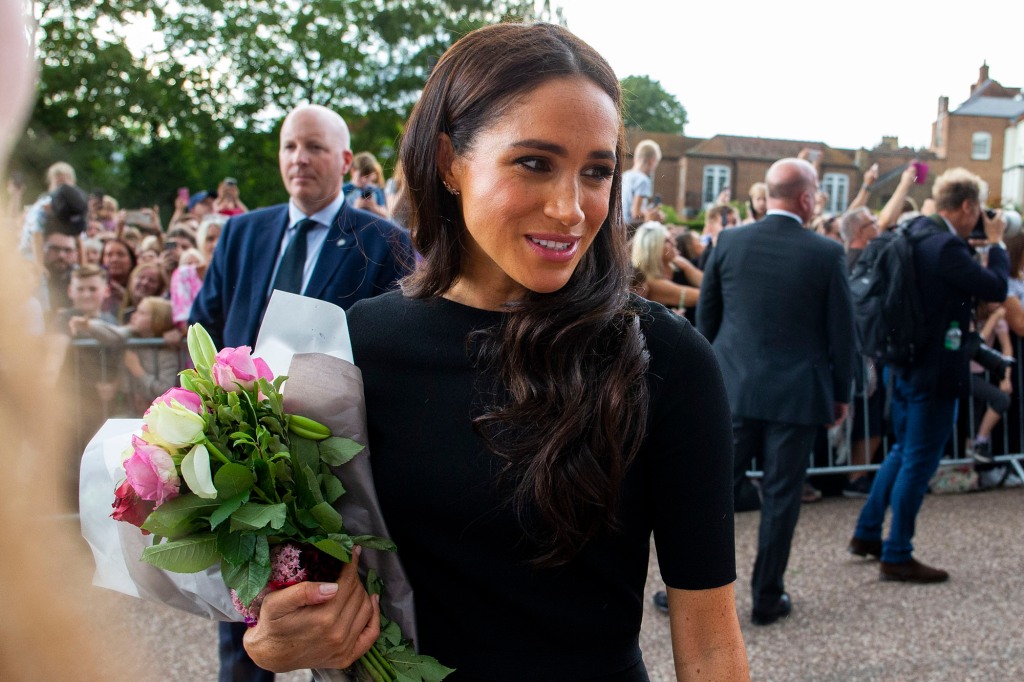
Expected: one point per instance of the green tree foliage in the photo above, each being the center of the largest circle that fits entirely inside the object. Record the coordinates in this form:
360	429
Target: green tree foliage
648	106
204	98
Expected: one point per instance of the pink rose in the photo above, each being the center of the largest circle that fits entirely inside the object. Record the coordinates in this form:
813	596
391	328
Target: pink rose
235	367
131	508
190	400
151	473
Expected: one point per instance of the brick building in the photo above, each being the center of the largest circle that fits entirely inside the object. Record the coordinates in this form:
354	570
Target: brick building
974	134
985	134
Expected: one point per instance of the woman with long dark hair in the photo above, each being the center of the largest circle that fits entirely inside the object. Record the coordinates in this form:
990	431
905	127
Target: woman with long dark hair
531	422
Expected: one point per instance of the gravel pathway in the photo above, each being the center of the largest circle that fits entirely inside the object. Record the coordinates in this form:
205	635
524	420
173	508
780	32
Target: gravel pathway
846	624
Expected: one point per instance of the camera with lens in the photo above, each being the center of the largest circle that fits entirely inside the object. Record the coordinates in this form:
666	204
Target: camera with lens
1012	218
986	356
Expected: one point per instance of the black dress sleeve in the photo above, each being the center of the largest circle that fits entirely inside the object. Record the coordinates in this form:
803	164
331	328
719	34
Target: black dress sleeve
689	454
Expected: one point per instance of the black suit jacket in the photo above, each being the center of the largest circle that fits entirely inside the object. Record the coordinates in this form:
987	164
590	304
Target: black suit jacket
362	256
950	282
775	305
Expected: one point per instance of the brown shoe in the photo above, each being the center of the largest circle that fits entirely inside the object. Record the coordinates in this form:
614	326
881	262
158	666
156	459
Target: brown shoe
860	547
912	571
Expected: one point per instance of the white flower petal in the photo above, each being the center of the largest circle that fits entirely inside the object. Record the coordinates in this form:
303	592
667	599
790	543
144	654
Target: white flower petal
195	467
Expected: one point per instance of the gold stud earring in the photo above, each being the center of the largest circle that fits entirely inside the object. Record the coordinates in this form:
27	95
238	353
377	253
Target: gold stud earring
451	189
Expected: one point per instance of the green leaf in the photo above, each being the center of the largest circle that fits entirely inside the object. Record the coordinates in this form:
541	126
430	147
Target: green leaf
391	633
231	480
254	516
333	489
374	585
264	477
306	519
189	555
236	548
374	542
241	437
249	579
327	516
180	516
227	508
312	485
337	450
304	452
418	667
337	547
282	471
273	424
186	381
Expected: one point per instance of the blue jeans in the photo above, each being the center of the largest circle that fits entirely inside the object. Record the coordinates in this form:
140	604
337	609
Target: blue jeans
923	424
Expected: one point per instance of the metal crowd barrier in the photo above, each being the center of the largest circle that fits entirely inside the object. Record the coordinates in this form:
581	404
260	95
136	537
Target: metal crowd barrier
1007	437
90	360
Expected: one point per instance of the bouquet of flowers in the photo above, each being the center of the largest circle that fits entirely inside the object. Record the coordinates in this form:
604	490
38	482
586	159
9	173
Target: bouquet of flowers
219	473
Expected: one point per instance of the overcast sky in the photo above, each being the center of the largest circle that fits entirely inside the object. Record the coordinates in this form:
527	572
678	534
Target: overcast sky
844	74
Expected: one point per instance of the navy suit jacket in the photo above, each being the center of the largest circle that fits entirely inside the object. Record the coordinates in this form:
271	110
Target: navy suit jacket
362	256
775	305
950	282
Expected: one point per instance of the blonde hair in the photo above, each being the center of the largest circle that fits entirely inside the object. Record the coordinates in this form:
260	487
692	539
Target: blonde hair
61	171
160	312
193	253
204	228
647	150
647	254
955	186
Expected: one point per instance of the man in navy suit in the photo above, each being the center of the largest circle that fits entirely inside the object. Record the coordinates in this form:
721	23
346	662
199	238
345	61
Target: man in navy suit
314	245
349	254
925	393
775	305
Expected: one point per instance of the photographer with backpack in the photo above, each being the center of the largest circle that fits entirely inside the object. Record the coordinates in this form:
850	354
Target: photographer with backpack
941	281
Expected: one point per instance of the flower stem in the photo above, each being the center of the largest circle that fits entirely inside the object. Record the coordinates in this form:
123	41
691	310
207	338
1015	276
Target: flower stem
216	452
382	661
371	666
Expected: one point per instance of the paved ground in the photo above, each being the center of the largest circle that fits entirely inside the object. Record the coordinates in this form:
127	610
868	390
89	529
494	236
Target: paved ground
846	625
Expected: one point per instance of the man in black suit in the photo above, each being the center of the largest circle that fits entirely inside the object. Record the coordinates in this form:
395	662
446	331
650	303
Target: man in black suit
314	245
775	305
925	393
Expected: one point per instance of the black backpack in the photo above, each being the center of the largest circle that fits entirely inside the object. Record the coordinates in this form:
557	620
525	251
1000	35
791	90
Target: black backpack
888	314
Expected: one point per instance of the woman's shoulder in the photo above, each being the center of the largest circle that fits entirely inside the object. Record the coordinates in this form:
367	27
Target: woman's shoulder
672	341
390	315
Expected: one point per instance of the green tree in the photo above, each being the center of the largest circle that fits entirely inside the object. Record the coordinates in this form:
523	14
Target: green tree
648	106
202	98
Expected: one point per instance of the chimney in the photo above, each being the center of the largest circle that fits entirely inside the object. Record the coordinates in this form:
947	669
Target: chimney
943	106
890	142
982	77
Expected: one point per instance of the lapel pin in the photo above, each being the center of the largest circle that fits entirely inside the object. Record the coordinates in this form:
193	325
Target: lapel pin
341	242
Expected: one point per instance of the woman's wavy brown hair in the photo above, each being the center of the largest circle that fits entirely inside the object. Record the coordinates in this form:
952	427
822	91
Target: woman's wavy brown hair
572	363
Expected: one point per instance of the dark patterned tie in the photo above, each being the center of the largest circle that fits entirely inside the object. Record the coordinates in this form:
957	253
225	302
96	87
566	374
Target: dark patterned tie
293	263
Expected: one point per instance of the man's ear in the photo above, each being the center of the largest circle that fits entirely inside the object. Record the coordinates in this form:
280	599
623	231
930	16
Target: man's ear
346	162
447	163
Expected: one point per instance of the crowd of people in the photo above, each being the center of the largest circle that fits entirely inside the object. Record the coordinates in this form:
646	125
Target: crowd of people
105	273
669	262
